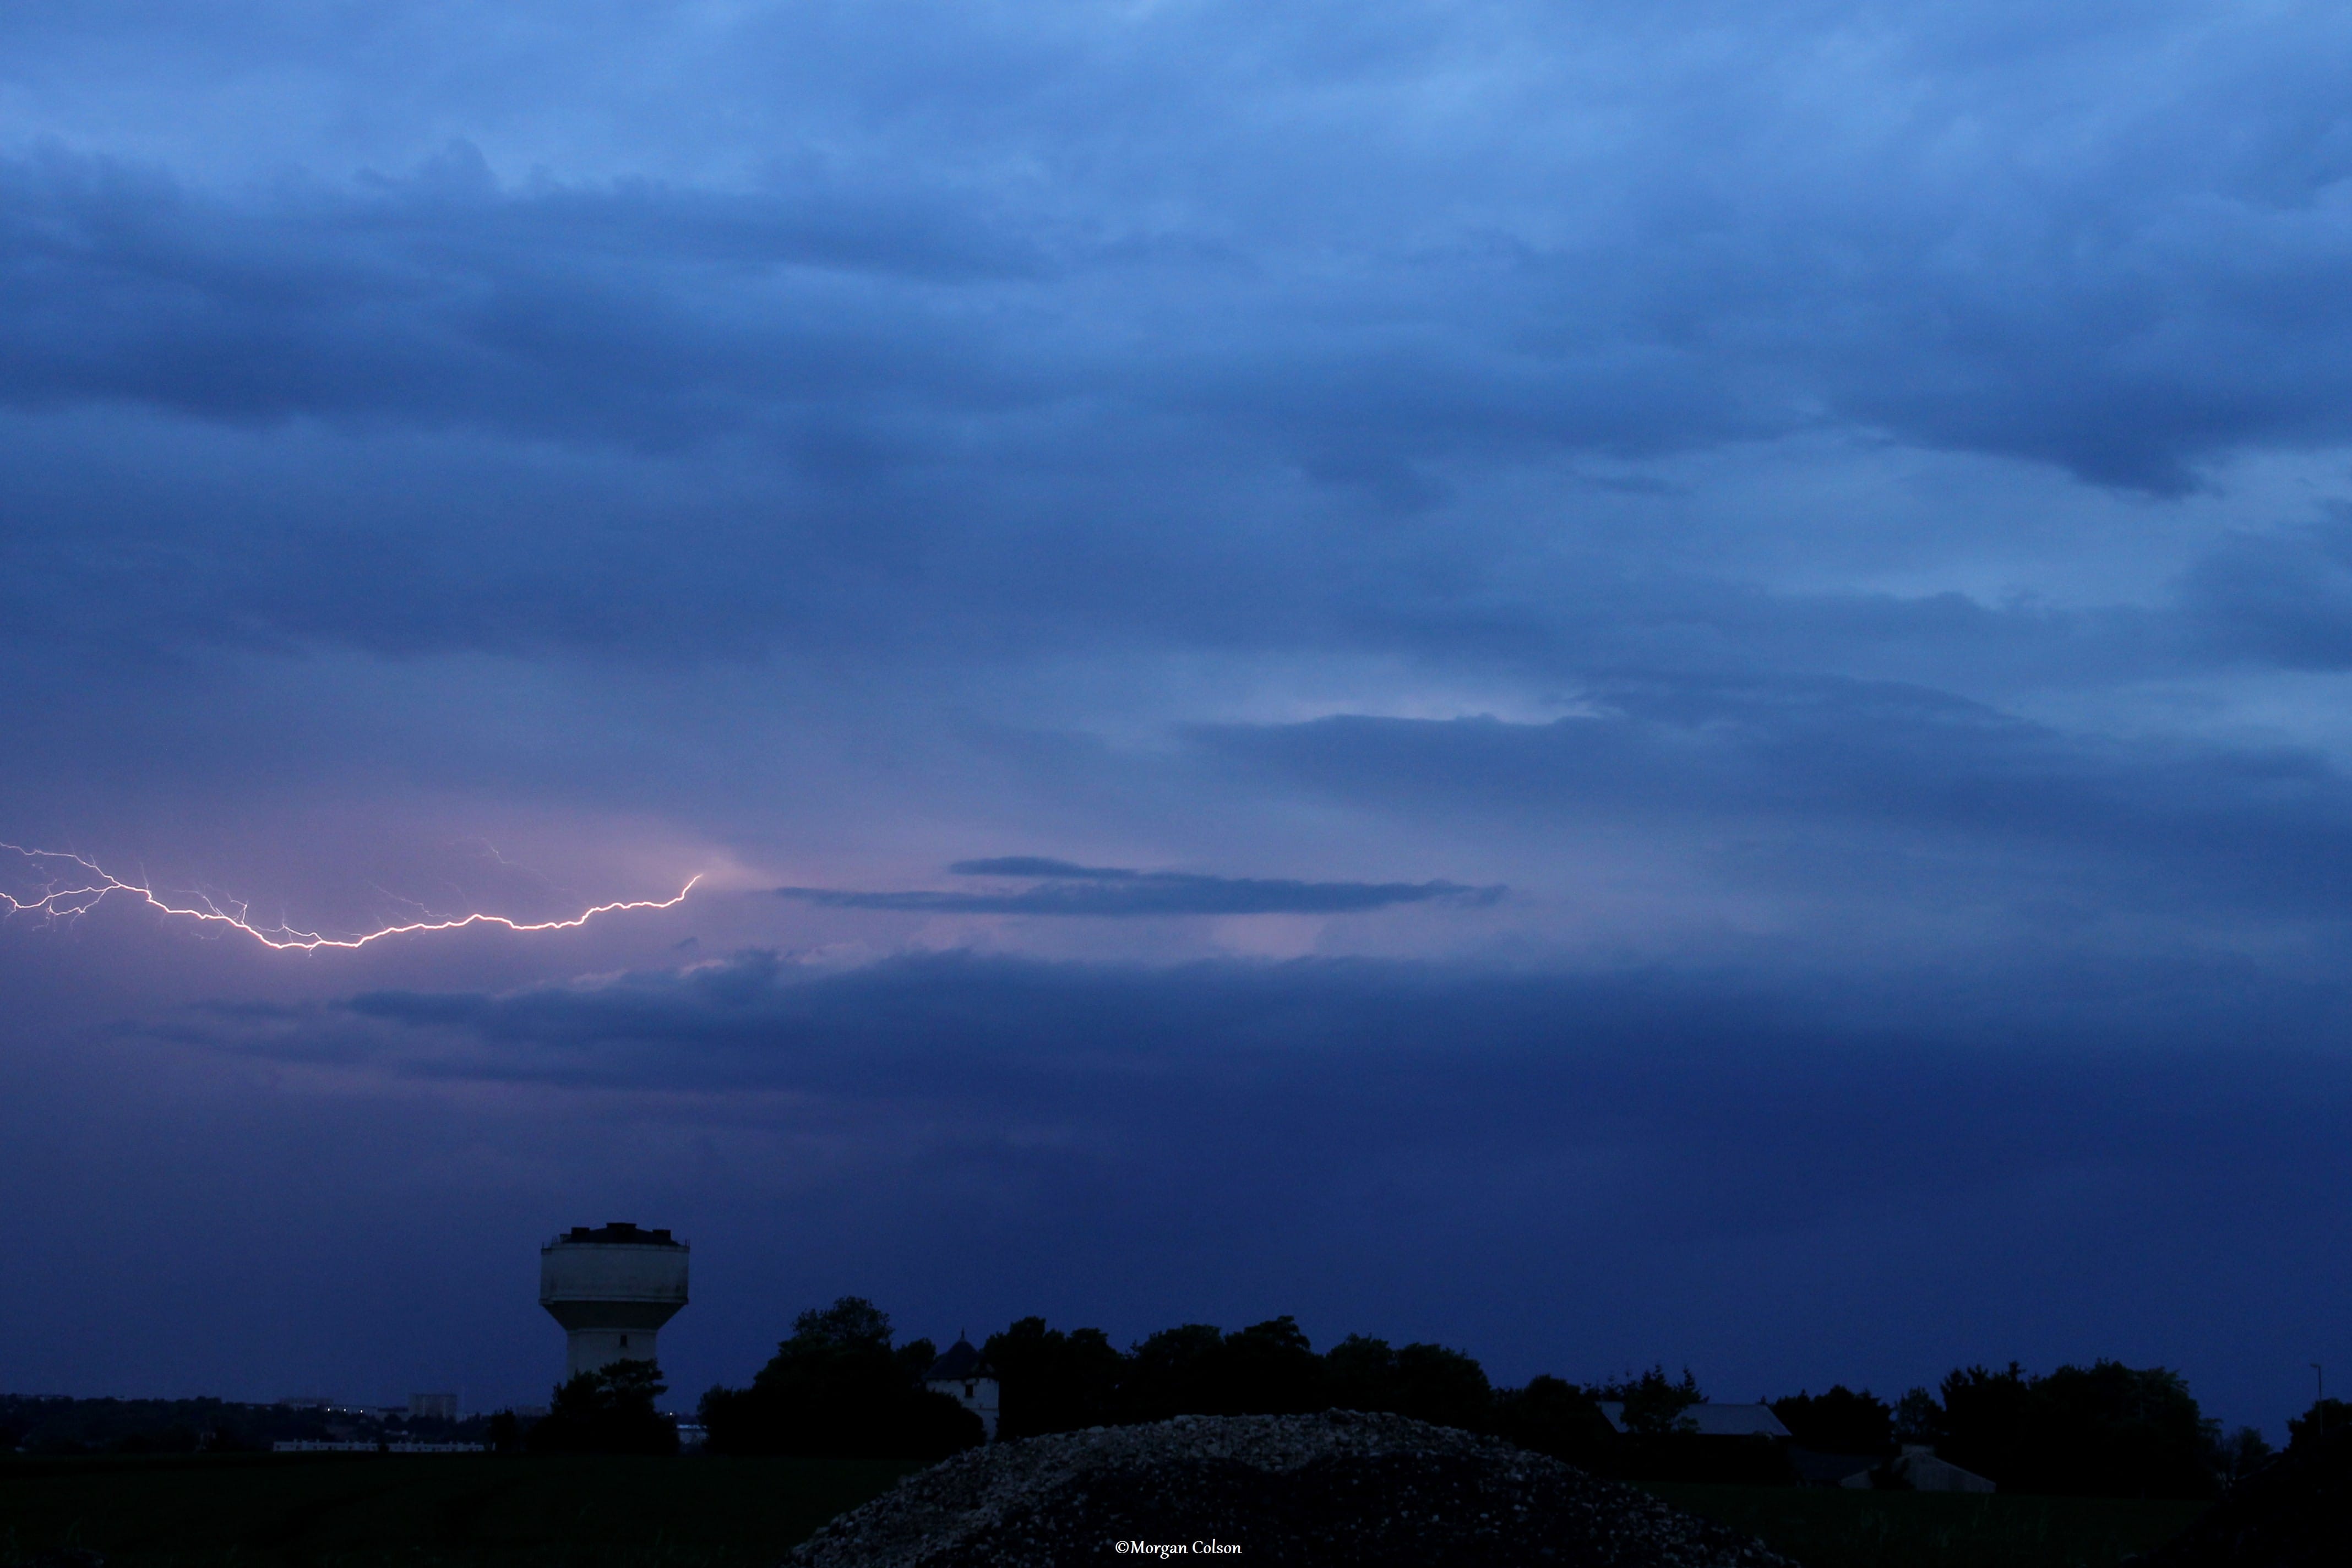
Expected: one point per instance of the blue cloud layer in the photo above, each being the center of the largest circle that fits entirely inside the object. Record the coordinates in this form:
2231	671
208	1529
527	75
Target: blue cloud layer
1963	793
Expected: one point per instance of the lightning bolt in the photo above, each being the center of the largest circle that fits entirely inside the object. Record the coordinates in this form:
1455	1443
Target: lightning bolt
78	884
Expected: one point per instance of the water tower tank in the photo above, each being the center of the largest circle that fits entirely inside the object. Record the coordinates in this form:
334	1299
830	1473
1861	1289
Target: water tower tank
611	1288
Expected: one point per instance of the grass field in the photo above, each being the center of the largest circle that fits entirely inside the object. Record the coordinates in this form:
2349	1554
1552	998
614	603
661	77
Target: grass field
1824	1527
362	1510
359	1511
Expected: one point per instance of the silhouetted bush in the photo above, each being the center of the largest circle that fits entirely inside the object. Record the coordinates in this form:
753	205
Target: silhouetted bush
2324	1415
2240	1454
1052	1381
1428	1382
1839	1422
837	1389
607	1412
2104	1430
1266	1369
1171	1373
1556	1417
1057	1381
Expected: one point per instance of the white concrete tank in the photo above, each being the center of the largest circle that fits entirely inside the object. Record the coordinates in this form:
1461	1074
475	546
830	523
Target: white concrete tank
611	1289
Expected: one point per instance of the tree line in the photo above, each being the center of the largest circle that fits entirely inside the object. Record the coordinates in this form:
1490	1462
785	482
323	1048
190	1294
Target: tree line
839	1386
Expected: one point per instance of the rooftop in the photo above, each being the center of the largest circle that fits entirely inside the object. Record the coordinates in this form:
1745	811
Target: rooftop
615	1233
1711	1420
958	1361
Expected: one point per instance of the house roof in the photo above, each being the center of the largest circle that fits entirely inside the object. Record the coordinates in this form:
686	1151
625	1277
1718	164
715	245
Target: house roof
1712	1420
1927	1470
960	1361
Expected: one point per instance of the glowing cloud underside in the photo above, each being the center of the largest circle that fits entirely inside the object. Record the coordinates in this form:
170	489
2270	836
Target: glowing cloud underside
76	886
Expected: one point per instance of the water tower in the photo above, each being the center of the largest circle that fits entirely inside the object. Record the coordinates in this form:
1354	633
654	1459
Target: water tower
611	1289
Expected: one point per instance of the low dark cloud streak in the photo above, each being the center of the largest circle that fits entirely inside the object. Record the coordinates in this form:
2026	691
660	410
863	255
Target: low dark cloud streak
1115	892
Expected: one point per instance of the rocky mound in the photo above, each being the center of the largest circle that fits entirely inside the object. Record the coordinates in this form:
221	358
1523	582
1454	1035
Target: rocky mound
1368	1491
2293	1512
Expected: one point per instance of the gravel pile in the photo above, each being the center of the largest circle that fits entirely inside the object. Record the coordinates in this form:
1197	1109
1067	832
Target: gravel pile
1340	1487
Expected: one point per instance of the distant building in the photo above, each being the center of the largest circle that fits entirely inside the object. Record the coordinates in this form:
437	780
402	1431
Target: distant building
1711	1420
433	1407
965	1375
1917	1469
377	1446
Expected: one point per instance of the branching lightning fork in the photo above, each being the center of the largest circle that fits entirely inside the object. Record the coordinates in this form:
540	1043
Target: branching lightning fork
75	884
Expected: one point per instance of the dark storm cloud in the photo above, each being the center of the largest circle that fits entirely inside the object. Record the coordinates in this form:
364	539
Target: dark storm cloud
1062	889
1412	1120
1382	1057
1965	793
1558	1172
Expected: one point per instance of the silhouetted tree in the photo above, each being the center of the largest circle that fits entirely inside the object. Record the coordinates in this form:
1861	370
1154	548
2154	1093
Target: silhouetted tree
837	1389
1839	1422
2111	1430
2104	1430
610	1411
2240	1454
1983	1422
2324	1415
1195	1369
1919	1418
1054	1381
1266	1369
1552	1417
1428	1382
1653	1402
1171	1373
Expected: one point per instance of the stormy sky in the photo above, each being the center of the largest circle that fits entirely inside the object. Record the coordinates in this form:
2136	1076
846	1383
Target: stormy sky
1607	683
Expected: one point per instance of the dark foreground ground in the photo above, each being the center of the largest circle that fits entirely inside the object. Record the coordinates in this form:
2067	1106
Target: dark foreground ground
363	1511
335	1510
1831	1528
